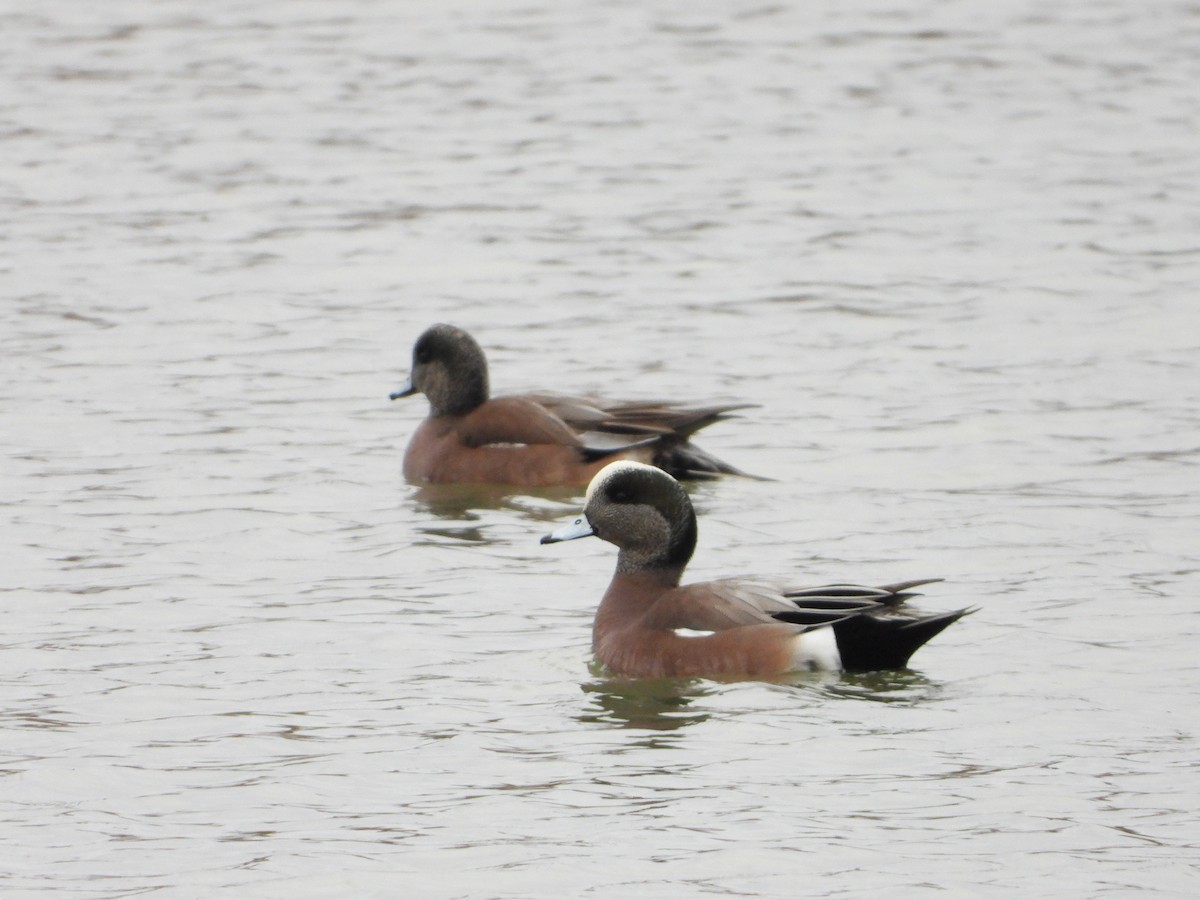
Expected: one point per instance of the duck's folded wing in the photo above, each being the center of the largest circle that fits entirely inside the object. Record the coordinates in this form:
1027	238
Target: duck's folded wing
848	596
515	420
522	420
588	415
735	602
669	417
645	417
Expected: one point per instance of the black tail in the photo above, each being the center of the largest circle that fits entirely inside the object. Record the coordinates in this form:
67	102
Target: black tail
676	456
684	461
868	642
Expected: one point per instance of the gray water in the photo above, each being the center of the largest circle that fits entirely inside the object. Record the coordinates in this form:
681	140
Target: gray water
951	249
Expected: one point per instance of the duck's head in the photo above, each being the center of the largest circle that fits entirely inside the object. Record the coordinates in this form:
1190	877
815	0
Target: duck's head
641	509
449	368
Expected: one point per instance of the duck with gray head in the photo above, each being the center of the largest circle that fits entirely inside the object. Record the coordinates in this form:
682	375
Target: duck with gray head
649	625
539	439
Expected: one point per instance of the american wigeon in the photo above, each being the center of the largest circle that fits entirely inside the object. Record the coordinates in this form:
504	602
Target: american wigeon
536	440
648	625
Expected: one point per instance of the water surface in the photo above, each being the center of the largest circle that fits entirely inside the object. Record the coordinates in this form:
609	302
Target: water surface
950	249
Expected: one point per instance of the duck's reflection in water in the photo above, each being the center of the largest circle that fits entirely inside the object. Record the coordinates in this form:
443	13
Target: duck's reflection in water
655	704
667	704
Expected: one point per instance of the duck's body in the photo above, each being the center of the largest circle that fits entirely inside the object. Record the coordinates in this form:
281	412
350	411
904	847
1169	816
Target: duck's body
507	440
539	439
637	631
649	625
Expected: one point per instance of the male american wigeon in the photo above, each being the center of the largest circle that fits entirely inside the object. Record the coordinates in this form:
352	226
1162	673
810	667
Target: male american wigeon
536	440
648	625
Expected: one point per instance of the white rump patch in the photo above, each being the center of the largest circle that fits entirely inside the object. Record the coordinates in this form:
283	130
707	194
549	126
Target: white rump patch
692	633
816	651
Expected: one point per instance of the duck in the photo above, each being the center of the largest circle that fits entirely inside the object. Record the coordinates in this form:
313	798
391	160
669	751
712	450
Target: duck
649	625
540	439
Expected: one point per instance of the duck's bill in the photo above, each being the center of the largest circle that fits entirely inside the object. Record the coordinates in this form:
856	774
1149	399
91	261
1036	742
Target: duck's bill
406	391
578	528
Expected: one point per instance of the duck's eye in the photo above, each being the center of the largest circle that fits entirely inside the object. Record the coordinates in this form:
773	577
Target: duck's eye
423	356
620	495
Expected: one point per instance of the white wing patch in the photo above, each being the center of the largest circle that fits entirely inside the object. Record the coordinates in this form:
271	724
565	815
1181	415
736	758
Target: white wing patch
692	633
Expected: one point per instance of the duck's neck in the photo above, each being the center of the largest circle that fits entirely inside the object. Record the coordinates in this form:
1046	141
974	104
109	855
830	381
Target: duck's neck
459	397
634	567
629	596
